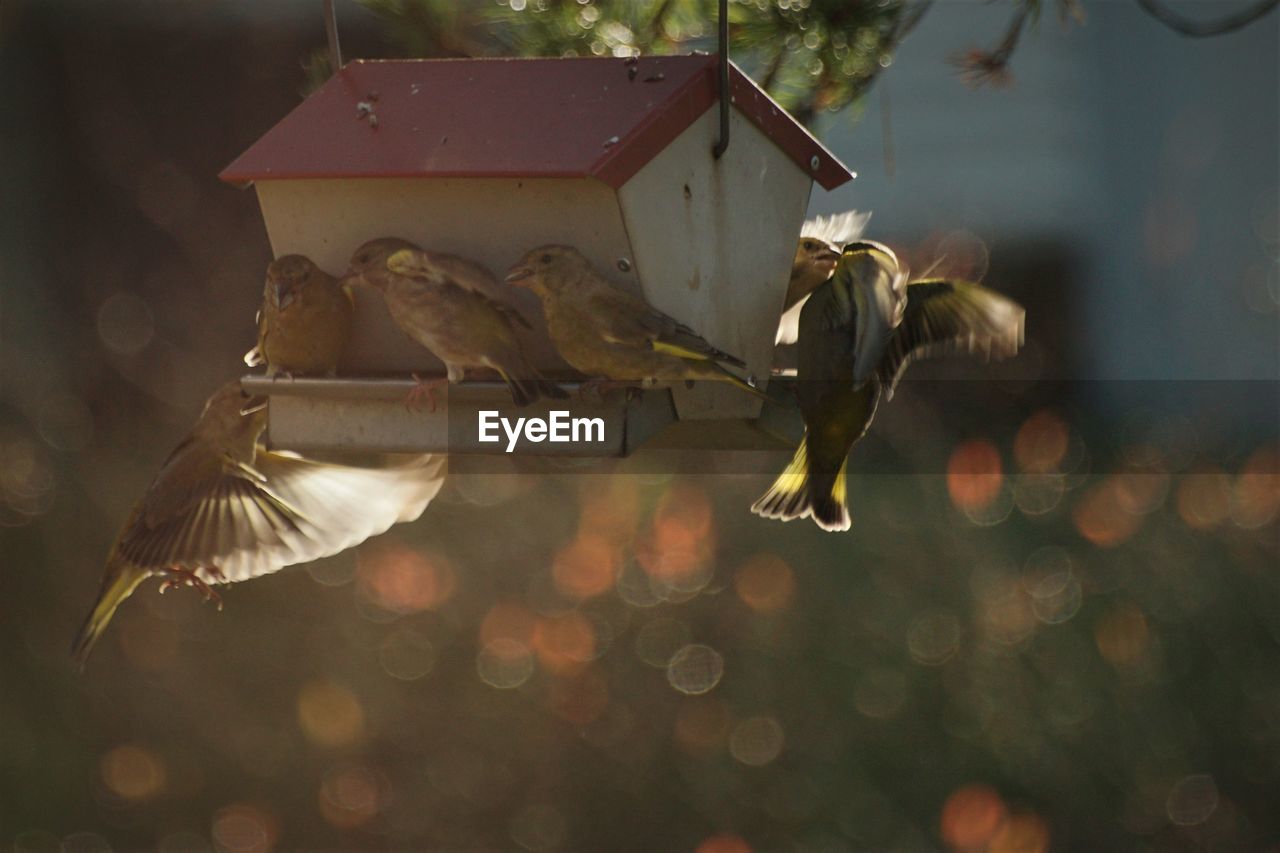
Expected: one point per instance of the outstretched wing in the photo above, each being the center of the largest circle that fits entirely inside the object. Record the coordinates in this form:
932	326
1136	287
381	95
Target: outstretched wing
944	317
837	229
247	522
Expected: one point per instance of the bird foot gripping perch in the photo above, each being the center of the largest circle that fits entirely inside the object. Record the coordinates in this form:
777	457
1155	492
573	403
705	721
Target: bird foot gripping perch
179	577
423	388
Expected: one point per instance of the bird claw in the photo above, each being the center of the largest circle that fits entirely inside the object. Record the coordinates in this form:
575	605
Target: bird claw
179	577
598	388
425	387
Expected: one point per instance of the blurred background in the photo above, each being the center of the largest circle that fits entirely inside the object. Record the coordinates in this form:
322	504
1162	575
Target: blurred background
1055	624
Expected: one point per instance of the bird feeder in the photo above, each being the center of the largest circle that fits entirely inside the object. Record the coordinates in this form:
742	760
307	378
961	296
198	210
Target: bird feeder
488	158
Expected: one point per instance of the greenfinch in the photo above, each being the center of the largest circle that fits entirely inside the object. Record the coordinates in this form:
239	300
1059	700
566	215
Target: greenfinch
816	255
223	509
858	332
451	305
607	333
304	322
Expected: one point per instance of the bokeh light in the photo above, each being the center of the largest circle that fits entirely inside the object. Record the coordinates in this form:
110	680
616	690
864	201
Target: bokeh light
133	772
586	567
676	554
402	579
1122	635
765	583
125	323
972	817
756	741
330	713
564	644
1204	498
695	669
974	476
406	654
1101	516
505	663
349	795
1256	499
245	828
1040	445
724	842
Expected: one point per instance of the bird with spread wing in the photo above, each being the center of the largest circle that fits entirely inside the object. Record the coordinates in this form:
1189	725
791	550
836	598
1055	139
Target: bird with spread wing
858	332
224	509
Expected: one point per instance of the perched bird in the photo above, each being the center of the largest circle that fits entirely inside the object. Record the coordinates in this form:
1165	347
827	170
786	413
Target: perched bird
304	321
369	267
606	332
858	333
223	509
449	305
815	260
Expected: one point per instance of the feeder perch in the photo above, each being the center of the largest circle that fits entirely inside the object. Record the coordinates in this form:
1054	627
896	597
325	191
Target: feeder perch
489	158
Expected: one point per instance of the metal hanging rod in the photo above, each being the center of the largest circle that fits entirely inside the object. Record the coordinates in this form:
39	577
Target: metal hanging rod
722	142
331	31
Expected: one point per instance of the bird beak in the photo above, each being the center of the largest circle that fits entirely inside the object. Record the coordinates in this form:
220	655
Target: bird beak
519	274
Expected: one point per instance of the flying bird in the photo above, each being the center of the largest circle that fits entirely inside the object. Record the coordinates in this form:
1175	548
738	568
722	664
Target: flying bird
224	509
608	333
858	333
304	321
451	306
815	260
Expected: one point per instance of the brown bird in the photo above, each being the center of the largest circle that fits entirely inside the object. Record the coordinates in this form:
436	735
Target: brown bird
606	332
444	302
858	333
304	321
821	239
223	509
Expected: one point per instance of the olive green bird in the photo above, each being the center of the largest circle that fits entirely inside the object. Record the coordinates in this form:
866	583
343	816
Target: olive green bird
608	333
304	322
448	305
858	333
224	509
815	260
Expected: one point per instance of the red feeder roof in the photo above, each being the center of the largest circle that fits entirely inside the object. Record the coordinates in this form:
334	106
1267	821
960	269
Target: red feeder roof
511	118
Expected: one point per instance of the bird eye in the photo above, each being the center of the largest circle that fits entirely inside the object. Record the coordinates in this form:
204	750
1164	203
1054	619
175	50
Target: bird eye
809	244
546	259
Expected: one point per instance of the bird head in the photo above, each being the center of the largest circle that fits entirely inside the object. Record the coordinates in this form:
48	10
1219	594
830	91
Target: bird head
412	263
369	262
232	411
286	277
548	268
814	255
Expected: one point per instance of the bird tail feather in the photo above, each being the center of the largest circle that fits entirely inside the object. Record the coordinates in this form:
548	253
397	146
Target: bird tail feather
795	495
116	587
714	370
